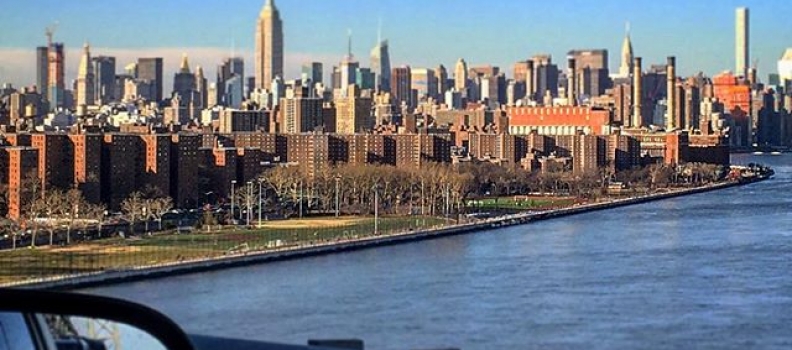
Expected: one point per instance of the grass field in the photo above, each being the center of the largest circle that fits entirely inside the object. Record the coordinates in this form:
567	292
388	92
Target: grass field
521	202
120	253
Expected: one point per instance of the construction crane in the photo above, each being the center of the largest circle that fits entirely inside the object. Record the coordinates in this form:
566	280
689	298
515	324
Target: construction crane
50	31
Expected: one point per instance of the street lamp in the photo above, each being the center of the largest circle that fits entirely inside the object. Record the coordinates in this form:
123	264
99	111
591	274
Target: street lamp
233	182
259	204
301	199
376	209
337	203
247	202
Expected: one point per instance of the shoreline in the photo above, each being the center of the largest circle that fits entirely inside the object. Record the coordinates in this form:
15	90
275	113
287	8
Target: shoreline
94	279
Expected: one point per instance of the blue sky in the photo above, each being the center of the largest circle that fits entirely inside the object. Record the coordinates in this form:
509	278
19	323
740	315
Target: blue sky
421	33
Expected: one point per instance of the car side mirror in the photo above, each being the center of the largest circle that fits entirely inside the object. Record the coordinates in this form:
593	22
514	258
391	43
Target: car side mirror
34	319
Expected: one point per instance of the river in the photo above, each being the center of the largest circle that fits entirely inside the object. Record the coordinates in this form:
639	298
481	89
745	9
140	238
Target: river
712	270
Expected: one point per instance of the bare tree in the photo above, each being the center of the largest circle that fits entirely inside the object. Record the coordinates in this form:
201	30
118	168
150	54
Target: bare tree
32	206
94	212
133	208
246	198
73	206
159	207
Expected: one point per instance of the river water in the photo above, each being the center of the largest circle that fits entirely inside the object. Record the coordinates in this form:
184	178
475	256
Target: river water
712	270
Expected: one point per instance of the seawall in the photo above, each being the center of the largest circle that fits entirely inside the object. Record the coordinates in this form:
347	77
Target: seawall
176	268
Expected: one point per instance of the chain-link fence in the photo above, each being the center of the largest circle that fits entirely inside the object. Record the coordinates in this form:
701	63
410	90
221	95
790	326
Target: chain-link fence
116	249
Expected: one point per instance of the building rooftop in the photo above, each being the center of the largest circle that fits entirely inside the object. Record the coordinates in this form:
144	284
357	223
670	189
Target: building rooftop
787	55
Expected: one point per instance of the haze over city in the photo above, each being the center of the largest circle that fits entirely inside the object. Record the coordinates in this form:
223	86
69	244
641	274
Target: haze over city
700	34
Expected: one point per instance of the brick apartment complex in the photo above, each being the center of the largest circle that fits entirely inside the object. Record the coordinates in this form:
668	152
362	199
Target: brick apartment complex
21	164
189	166
587	152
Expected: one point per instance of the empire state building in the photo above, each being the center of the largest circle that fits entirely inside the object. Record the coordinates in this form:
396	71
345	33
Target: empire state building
269	46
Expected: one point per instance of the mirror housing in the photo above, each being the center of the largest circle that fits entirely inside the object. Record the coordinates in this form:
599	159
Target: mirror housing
27	301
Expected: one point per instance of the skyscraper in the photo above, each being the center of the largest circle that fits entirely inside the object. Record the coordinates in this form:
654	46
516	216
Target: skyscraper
742	37
300	112
460	75
149	70
104	79
442	82
785	66
85	79
424	82
625	69
201	87
41	70
184	81
312	71
521	71
269	46
353	112
546	77
230	68
348	68
365	79
401	86
56	81
592	71
380	65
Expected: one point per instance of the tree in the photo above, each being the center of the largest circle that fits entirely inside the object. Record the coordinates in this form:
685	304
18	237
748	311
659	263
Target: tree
133	208
73	205
246	198
660	174
158	207
32	206
3	200
93	212
55	206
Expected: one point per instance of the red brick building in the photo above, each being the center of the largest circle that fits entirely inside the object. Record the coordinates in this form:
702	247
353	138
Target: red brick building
559	120
153	171
736	98
55	161
186	160
22	163
87	165
222	170
120	153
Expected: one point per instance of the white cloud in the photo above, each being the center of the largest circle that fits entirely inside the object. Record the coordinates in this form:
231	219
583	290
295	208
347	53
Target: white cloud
18	66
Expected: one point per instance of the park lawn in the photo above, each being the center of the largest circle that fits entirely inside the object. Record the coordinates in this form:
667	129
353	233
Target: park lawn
26	263
119	253
286	232
522	203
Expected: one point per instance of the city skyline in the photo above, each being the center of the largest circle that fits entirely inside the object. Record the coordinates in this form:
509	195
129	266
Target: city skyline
709	49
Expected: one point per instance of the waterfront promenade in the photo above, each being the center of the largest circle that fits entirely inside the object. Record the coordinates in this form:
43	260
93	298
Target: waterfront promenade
82	280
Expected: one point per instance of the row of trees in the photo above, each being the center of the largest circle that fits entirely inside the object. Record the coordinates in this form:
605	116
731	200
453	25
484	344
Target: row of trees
439	188
663	175
146	205
433	189
351	189
56	208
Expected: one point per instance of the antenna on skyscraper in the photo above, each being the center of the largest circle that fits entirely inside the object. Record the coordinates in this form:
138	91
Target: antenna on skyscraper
379	30
349	43
50	31
627	27
233	47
